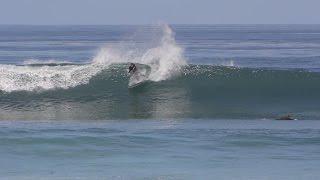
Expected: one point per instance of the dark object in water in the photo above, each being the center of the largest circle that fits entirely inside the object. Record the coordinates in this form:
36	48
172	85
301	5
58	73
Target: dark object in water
288	117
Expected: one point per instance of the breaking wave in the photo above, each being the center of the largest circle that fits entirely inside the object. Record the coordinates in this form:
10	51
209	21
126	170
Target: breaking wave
163	55
200	91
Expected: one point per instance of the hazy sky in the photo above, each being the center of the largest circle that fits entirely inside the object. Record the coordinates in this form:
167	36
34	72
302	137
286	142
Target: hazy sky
153	11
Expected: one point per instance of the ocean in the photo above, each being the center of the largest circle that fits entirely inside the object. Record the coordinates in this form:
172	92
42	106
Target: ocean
207	109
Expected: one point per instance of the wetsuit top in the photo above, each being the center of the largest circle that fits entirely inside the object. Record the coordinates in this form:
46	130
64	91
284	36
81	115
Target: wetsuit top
132	68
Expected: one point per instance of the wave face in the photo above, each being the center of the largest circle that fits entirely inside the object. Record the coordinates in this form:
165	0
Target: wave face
198	91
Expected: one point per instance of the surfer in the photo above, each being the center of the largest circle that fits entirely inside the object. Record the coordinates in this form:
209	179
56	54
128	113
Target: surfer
132	68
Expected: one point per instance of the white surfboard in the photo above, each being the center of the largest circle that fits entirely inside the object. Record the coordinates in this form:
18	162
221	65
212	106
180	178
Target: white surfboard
137	79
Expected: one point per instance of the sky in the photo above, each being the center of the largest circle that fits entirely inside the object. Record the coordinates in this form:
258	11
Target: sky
104	12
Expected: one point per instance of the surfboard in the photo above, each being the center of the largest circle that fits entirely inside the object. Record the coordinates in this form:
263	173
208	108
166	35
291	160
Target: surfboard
136	79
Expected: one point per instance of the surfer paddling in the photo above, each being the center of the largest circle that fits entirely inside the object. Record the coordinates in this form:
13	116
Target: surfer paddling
132	68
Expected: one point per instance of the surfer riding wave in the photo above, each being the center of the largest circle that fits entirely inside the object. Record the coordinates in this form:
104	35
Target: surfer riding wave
137	77
132	68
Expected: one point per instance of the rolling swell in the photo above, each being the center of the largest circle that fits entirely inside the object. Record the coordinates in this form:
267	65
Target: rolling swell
199	91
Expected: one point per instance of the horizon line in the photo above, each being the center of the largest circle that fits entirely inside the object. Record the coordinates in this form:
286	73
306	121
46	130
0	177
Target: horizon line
151	24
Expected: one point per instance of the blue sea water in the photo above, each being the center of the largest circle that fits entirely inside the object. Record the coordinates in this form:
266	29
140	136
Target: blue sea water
207	111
